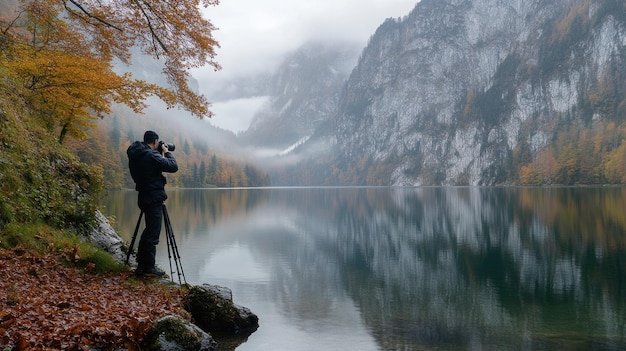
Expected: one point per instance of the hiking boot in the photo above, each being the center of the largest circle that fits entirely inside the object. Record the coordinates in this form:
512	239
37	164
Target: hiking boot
151	272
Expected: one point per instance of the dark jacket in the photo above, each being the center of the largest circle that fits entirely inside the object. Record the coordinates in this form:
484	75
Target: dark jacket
146	167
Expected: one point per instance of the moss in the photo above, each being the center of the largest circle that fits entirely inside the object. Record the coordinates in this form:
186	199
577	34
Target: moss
213	310
41	180
98	261
173	330
41	238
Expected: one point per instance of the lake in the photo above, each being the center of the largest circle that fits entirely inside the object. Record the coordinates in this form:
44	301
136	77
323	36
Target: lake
394	268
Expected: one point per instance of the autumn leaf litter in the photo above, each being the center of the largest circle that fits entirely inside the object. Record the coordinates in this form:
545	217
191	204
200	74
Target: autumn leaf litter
48	305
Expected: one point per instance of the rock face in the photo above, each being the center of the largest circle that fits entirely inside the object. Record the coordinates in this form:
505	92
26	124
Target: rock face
212	309
303	93
173	333
407	96
452	93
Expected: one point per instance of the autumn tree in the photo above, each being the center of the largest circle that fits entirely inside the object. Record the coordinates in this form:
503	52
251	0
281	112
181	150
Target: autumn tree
62	52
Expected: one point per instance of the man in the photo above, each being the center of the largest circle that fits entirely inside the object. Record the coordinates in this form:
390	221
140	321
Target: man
147	160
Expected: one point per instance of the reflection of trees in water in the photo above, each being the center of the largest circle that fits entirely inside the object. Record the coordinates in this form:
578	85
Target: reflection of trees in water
204	207
468	266
189	209
497	268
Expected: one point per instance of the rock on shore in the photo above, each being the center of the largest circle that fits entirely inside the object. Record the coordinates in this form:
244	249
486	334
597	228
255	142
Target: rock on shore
210	306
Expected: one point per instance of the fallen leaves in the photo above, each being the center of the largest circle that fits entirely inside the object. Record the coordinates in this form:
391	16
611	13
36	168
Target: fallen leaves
46	305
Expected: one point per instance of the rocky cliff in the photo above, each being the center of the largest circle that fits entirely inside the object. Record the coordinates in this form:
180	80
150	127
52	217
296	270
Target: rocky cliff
463	92
304	92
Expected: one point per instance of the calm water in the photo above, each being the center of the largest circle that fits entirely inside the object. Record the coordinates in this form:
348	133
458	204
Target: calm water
408	268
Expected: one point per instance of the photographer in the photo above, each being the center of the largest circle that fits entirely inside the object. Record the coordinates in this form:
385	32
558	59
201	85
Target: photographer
147	160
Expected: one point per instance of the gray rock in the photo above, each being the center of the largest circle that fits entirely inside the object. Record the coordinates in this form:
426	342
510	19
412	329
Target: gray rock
211	306
173	333
213	310
106	238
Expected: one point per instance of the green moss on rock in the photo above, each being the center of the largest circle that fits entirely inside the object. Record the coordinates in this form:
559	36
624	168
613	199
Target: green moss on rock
213	310
175	333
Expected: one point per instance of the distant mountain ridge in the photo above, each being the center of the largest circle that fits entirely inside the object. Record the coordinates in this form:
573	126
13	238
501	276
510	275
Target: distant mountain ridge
458	92
304	92
464	92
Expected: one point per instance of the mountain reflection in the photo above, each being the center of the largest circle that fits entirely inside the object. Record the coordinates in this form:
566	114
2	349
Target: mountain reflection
469	268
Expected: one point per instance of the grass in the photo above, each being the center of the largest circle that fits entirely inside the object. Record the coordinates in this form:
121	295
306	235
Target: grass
48	198
40	238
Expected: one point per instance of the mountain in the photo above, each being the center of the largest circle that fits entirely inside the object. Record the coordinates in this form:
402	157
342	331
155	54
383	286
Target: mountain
467	92
304	92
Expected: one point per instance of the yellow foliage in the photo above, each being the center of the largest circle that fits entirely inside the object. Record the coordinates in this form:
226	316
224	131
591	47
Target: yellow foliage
62	52
66	90
588	156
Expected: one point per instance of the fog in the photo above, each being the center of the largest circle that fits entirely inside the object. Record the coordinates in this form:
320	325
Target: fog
236	114
254	36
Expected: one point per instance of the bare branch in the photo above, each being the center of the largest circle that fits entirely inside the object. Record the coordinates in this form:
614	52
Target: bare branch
150	26
10	24
89	14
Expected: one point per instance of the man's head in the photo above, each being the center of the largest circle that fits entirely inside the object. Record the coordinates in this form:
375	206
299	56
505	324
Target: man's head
151	139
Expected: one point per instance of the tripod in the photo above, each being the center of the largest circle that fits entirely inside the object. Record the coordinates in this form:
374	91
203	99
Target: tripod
172	248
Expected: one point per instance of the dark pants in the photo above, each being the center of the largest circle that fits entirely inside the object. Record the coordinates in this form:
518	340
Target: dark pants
146	252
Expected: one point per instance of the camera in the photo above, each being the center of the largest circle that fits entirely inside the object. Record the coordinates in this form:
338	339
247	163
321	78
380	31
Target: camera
170	147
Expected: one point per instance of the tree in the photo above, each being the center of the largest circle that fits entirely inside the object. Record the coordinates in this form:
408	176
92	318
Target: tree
202	173
63	51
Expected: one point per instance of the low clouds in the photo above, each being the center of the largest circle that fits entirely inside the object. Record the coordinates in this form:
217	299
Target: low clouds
236	114
254	35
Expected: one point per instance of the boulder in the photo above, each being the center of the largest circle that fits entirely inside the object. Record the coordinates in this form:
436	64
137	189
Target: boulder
103	236
173	333
211	306
213	310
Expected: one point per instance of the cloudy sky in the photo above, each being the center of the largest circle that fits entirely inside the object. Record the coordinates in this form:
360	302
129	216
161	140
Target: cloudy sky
255	34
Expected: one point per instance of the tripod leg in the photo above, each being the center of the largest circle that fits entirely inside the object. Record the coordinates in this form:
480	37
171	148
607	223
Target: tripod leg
172	243
168	240
132	242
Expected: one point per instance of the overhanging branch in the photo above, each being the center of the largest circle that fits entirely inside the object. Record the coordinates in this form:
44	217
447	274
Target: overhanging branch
89	14
150	26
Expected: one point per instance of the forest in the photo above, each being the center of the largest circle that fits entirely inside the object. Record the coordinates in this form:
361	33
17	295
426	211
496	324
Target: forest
201	164
69	74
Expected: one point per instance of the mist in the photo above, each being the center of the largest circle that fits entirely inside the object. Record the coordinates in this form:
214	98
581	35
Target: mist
236	114
254	37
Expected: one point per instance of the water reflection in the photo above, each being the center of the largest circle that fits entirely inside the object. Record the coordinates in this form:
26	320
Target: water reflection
409	268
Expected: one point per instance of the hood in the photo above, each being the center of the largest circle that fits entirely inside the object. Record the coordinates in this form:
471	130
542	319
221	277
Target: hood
136	149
